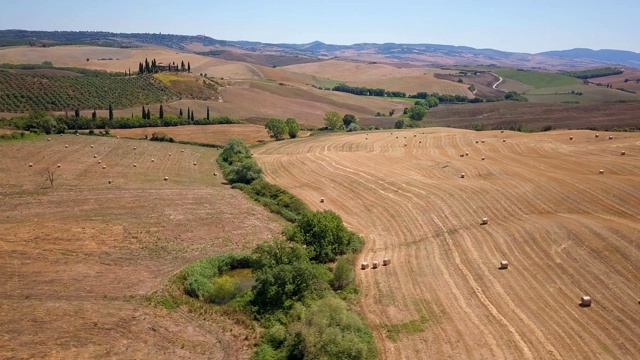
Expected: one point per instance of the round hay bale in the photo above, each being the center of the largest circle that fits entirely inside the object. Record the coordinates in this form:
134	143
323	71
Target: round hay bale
166	178
30	164
364	265
477	141
321	200
135	148
386	262
485	221
59	165
504	140
610	137
95	156
109	181
66	146
504	264
169	154
420	142
601	172
195	163
135	165
182	150
462	175
48	139
153	160
77	134
104	167
405	144
570	137
585	301
396	137
623	152
215	174
366	138
61	134
466	154
597	136
374	265
482	158
92	146
461	155
501	131
414	135
99	161
483	141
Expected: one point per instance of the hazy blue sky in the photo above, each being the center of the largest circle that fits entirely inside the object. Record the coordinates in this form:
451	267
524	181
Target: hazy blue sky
517	25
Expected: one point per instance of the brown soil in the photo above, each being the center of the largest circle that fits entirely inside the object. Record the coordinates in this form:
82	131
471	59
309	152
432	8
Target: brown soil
206	134
565	230
80	258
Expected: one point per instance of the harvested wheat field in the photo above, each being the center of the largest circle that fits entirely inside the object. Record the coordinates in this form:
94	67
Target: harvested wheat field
205	134
565	230
80	259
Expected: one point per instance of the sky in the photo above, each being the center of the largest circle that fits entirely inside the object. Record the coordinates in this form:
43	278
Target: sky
516	25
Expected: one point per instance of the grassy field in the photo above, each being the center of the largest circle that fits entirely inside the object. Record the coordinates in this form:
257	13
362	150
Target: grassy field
590	94
538	80
205	134
82	257
565	230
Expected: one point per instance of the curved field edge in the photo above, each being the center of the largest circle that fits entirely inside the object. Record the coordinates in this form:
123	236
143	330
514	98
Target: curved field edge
565	230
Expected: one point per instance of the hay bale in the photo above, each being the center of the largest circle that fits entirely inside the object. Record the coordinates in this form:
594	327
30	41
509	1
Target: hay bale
501	131
483	141
30	164
597	136
405	144
321	200
215	174
504	264
182	150
109	181
477	141
610	137
364	265
66	146
386	262
153	160
482	158
461	155
396	137
374	265
169	154
166	178
61	134
585	301
485	221
570	137
95	156
504	140
48	139
135	165
135	148
99	161
601	172
466	154
104	167
195	163
420	142
462	175
414	135
92	146
77	134
59	165
623	152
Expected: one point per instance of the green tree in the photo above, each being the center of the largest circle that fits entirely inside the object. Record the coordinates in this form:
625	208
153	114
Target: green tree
148	114
332	119
180	112
110	112
392	111
193	117
161	113
189	67
293	127
245	171
349	119
343	274
144	113
324	234
277	128
400	124
234	151
207	113
417	112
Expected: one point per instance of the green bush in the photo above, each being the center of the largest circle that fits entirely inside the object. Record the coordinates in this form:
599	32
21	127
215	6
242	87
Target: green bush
223	289
276	199
161	136
324	234
245	172
199	288
343	274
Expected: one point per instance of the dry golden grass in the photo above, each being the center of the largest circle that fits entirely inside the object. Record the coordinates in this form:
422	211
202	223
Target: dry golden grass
565	230
205	134
78	259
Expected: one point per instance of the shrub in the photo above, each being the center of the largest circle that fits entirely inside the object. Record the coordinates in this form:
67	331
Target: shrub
353	127
293	127
234	151
223	289
399	124
343	274
324	234
417	112
246	171
199	288
160	136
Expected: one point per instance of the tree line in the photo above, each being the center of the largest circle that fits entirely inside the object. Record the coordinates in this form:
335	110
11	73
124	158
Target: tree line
594	73
153	67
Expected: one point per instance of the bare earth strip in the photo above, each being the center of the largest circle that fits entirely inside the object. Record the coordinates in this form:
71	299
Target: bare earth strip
76	261
206	134
566	231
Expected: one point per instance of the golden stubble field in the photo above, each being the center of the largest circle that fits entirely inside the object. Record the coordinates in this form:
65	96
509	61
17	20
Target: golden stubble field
78	260
565	229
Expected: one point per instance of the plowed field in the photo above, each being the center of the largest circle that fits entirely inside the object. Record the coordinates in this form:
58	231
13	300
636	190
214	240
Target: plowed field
565	229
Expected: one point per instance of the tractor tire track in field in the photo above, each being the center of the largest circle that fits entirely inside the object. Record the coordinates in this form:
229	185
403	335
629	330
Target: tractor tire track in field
566	231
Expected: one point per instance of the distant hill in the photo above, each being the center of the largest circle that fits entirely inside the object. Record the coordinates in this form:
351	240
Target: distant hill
419	54
628	58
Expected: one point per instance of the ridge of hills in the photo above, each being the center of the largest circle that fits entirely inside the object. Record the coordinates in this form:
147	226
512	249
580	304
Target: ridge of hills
418	54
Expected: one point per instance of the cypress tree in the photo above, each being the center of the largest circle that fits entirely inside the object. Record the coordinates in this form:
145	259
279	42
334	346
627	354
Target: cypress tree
110	112
144	113
148	114
161	113
188	113
140	68
189	67
94	115
207	113
180	112
192	117
182	66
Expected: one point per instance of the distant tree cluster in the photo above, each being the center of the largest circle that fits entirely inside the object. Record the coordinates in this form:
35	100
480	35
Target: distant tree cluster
278	128
594	73
153	67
